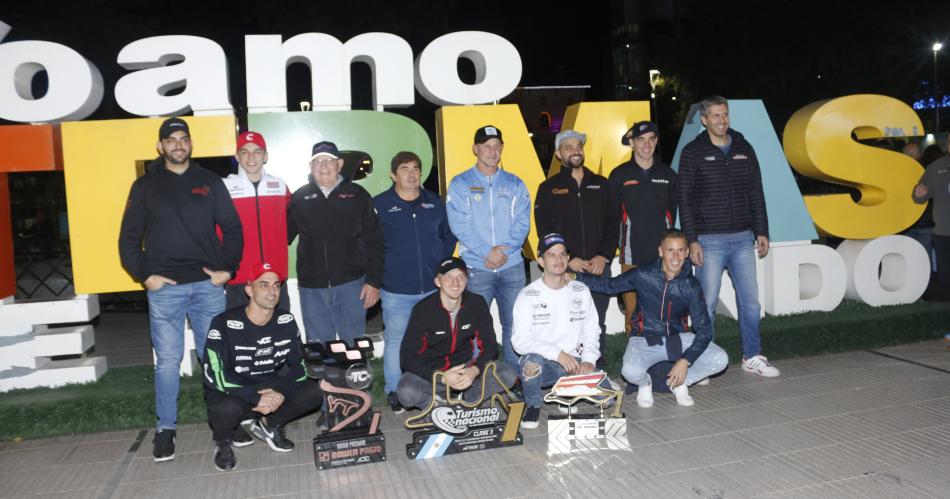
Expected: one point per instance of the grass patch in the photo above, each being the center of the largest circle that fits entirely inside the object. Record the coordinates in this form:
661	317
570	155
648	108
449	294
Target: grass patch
124	397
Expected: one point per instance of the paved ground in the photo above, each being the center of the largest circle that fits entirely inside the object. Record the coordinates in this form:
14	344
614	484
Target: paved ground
859	424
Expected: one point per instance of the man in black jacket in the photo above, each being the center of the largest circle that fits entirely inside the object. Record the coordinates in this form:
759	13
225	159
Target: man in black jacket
577	203
668	295
450	331
644	190
169	243
253	370
722	212
340	252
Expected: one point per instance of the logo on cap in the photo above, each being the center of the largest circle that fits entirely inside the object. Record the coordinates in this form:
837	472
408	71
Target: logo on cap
490	130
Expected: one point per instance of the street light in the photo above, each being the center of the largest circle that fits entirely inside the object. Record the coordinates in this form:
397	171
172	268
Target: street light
654	81
936	48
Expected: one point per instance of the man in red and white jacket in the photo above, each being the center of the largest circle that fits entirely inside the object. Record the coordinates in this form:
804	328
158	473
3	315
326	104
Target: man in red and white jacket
261	203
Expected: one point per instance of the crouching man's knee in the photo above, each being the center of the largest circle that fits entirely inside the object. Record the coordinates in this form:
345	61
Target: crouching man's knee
531	366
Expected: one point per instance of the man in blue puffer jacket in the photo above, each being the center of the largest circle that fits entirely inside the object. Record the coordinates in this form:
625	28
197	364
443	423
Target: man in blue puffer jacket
489	211
667	294
416	238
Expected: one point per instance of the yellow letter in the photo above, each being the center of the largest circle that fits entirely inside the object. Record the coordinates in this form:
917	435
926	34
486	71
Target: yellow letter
604	123
818	144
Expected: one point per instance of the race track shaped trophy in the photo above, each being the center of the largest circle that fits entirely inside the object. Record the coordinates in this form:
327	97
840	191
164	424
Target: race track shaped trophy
352	435
453	426
586	432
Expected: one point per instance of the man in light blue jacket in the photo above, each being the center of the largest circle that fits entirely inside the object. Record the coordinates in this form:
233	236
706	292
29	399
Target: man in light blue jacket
489	212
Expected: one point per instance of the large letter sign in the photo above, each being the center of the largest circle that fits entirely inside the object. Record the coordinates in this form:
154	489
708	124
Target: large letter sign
819	145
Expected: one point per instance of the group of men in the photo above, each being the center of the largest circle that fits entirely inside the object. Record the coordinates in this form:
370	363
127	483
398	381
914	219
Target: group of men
216	253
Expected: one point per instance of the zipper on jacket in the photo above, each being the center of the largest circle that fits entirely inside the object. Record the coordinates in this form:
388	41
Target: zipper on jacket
415	227
491	211
666	285
257	208
580	206
326	260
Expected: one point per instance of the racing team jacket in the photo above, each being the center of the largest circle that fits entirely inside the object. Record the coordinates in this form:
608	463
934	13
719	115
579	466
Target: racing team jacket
241	357
663	306
416	237
585	215
550	321
176	217
719	193
263	213
488	211
340	236
433	343
647	200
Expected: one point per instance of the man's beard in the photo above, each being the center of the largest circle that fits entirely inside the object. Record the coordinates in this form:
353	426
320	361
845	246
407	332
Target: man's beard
580	162
171	159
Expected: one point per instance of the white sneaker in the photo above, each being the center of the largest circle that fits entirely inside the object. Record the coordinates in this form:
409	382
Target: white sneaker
682	395
645	395
614	385
703	382
758	364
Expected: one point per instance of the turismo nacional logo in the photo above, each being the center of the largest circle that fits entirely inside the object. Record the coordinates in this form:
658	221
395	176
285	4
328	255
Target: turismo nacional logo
457	420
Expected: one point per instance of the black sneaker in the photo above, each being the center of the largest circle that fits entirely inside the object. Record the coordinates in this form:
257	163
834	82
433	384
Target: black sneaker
240	438
224	458
394	404
163	448
273	435
531	418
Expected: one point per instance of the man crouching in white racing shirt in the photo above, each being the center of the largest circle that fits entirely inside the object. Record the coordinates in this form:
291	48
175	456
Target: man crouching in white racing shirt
556	329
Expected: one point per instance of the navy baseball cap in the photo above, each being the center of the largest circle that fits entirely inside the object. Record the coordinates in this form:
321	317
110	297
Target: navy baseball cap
172	125
639	128
549	241
324	149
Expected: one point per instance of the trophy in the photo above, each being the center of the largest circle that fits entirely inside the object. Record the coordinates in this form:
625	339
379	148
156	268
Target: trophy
352	436
453	426
584	432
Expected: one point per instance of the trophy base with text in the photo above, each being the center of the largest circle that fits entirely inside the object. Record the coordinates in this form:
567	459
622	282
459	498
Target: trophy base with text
433	443
348	448
586	432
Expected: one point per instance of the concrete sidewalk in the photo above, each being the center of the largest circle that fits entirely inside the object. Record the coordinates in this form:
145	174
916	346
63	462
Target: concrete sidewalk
859	424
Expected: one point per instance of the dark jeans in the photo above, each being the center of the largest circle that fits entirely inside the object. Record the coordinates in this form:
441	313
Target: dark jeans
413	391
601	301
225	411
237	297
942	247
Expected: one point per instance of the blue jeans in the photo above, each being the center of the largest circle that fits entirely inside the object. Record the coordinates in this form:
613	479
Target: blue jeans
334	310
736	253
396	311
167	307
502	286
639	357
550	372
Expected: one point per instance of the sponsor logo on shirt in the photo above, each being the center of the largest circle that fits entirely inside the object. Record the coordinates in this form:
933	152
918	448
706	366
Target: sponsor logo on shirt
273	185
235	324
577	303
242	347
710	158
214	334
439	332
345	195
395	209
264	362
532	292
660	181
281	353
540	305
263	341
476	188
310	196
632	182
201	191
281	343
261	352
557	191
427	206
466	326
577	287
285	318
241	369
740	156
243	357
593	187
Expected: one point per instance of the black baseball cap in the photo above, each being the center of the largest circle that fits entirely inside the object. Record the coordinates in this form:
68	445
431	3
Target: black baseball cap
550	240
639	128
451	263
172	125
487	132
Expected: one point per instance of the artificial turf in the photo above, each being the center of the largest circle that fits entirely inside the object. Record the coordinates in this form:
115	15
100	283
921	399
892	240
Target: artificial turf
124	397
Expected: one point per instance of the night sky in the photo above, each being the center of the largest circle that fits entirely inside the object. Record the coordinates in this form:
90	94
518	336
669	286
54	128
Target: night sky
774	51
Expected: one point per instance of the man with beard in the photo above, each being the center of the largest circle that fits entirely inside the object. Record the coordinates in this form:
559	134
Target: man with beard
261	202
722	211
556	329
577	203
253	370
644	190
168	242
668	295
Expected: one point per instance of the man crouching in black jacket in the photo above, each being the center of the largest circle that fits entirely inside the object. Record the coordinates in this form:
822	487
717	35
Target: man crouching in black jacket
253	370
443	333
